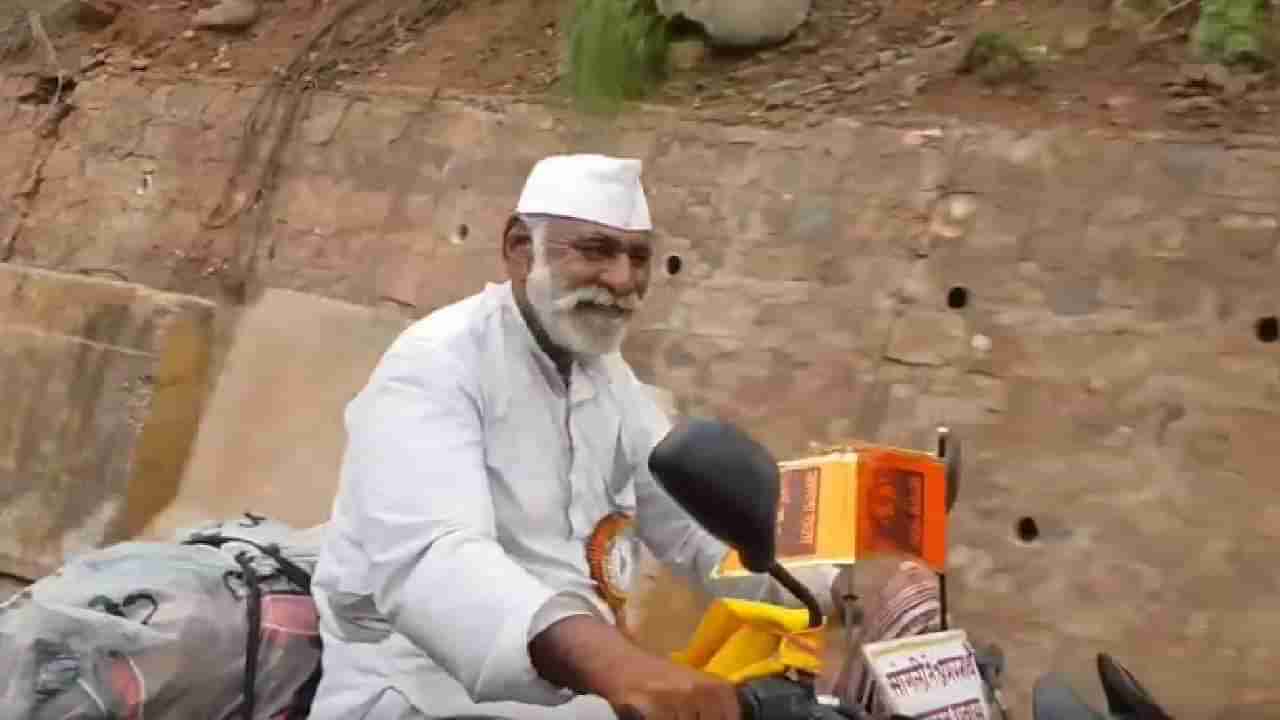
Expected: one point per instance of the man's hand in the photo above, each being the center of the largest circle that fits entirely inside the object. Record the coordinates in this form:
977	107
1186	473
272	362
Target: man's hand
591	656
675	693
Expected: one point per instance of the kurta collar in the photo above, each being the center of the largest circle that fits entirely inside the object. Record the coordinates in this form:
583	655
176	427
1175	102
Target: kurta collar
586	373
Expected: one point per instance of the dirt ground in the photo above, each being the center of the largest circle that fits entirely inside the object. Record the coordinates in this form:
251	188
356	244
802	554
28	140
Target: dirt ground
1094	66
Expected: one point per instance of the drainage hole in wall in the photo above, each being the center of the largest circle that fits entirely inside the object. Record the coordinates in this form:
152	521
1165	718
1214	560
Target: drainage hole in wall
1268	329
957	297
674	264
1027	530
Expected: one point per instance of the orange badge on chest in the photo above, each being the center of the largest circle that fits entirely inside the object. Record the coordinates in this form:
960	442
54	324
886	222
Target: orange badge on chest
610	557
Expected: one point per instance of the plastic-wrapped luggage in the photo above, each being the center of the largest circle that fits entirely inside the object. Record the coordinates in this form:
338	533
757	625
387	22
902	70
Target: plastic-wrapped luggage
219	624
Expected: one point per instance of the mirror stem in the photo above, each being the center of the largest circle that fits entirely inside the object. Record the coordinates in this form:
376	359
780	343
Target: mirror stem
789	581
942	601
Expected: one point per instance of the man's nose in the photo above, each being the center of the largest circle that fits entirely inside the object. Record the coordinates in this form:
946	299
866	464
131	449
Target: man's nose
620	275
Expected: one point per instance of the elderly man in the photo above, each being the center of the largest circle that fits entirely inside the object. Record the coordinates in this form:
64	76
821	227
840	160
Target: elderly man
496	464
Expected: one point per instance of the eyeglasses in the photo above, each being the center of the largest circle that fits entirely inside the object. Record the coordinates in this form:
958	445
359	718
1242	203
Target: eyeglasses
605	248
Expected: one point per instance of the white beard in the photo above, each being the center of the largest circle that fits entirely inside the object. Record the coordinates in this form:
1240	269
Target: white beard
578	329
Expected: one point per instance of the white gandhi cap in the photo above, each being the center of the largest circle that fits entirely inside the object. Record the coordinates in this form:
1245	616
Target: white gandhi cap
596	188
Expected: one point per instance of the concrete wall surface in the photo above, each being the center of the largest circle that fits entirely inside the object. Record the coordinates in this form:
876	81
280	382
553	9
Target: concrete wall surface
103	387
1092	312
271	438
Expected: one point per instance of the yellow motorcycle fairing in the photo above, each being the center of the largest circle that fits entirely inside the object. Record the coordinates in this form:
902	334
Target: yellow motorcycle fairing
742	640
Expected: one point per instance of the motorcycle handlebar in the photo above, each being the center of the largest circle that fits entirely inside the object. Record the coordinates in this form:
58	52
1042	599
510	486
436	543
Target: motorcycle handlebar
770	698
777	698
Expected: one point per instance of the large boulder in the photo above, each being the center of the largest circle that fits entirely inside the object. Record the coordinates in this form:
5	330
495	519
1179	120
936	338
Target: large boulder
742	23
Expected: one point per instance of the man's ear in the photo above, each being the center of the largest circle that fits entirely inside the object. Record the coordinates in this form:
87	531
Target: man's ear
517	248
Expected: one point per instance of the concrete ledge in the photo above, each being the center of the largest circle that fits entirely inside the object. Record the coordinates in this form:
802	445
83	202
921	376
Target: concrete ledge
272	437
103	387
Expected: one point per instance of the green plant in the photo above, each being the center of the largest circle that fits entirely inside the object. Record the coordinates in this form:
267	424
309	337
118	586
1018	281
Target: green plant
1231	31
617	51
995	58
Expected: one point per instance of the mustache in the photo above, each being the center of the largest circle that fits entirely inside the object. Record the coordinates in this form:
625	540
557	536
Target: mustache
597	295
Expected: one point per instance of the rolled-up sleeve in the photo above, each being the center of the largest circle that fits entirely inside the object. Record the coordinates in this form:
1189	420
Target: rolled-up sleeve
419	499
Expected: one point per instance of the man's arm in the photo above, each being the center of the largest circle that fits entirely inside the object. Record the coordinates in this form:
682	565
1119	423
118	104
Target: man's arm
592	656
419	497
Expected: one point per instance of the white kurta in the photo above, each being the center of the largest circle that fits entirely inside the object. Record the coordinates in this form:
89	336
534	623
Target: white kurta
471	480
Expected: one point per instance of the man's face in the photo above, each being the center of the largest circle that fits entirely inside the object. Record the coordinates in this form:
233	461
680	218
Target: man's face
586	282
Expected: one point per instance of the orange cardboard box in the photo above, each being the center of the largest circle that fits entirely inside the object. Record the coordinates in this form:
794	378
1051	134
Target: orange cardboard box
857	502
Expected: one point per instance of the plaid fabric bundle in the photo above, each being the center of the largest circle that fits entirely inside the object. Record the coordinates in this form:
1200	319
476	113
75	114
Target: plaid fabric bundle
909	604
219	625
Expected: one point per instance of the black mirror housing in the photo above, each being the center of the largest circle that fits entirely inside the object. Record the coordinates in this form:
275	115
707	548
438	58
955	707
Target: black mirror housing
727	482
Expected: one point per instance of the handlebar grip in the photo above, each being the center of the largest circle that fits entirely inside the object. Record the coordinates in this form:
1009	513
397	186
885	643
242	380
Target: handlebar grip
748	702
776	698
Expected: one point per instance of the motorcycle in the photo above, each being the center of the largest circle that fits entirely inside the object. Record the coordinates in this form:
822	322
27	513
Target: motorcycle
1053	699
730	484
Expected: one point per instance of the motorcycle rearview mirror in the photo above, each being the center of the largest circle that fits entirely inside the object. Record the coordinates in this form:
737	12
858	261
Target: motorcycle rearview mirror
729	484
727	481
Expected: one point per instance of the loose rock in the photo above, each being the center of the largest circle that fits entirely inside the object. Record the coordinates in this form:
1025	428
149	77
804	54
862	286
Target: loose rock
807	46
97	13
1118	102
229	15
913	84
1208	73
1199	103
89	62
1076	38
937	36
742	23
686	54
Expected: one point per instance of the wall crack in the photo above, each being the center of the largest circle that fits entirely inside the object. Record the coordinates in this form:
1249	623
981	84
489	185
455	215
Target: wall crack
55	92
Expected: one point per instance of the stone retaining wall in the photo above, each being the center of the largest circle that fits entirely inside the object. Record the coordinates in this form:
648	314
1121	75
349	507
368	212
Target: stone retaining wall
1105	358
103	388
